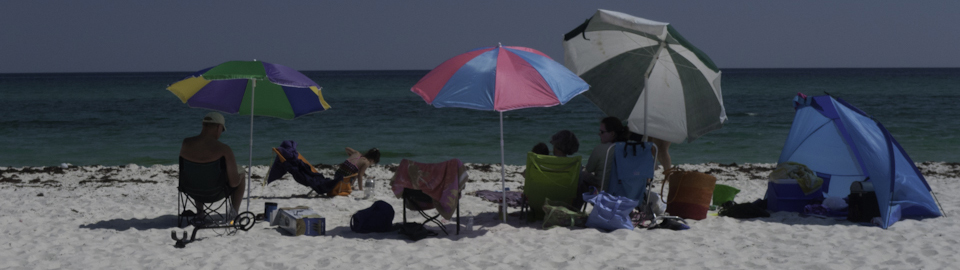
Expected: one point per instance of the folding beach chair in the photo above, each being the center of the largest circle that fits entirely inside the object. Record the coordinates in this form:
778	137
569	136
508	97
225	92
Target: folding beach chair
426	186
416	200
631	174
288	160
632	169
205	187
550	177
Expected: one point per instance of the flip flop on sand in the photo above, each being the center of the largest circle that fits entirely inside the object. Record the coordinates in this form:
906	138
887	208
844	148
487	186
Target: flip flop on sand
675	224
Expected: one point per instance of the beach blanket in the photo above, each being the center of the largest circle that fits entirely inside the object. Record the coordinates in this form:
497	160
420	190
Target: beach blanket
441	181
514	198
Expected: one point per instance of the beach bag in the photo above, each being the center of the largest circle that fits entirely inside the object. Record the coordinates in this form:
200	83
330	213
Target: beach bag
690	193
862	202
558	214
377	218
610	212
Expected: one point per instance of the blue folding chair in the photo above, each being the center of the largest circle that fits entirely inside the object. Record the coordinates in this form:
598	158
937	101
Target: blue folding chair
632	169
631	175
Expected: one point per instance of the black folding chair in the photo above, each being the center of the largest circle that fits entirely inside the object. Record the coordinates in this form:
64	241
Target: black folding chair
205	187
416	200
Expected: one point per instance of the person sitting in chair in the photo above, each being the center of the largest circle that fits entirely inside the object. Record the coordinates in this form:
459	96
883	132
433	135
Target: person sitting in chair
564	143
206	147
612	130
541	149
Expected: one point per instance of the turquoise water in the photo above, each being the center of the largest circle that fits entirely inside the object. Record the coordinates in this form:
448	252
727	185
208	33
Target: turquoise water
122	118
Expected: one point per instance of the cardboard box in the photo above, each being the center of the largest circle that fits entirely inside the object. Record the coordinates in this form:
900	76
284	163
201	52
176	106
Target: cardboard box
300	220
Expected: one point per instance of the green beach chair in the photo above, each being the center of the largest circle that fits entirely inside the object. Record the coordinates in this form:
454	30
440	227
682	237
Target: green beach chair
550	177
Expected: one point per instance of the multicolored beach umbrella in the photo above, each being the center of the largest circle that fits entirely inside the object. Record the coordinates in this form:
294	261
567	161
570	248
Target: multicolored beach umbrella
251	88
280	91
643	71
500	78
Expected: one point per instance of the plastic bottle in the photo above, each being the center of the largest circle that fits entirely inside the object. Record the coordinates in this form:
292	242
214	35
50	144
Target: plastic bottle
469	225
368	186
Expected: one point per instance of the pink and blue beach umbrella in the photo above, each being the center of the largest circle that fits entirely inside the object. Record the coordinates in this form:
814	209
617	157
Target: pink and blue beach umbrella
251	88
500	78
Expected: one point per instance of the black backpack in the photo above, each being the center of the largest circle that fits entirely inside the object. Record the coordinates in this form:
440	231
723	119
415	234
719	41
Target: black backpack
377	218
862	201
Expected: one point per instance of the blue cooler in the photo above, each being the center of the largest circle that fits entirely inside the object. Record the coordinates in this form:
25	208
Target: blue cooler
786	195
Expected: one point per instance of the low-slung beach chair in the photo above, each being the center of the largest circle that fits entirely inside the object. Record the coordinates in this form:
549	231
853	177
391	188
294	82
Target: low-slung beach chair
550	177
426	186
288	160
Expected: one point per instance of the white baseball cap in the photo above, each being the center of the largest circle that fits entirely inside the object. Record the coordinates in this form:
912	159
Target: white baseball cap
215	118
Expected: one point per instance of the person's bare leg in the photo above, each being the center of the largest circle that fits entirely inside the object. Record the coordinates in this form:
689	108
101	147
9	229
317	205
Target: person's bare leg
237	197
663	153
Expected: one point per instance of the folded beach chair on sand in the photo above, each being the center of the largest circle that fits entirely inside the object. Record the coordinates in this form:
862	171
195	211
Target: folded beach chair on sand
288	160
205	187
550	177
425	186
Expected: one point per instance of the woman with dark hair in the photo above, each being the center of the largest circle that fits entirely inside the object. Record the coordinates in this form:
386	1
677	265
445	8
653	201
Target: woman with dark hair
565	143
357	163
612	130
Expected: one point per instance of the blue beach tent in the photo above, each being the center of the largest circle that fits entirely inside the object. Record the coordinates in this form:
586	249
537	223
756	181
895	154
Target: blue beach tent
843	144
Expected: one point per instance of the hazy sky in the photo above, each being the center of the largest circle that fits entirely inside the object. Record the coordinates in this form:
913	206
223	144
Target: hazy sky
122	36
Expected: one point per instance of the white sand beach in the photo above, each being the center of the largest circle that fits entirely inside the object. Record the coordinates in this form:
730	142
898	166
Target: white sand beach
98	217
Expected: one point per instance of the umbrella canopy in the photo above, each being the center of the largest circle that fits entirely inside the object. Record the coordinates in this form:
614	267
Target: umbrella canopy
251	88
280	91
645	72
500	78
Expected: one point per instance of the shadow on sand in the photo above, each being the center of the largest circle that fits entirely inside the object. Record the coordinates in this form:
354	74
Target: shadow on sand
161	222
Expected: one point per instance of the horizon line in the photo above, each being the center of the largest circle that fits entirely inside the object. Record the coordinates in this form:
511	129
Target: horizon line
427	70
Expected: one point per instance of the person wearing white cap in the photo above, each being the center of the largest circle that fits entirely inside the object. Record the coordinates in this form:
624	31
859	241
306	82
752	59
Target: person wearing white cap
206	147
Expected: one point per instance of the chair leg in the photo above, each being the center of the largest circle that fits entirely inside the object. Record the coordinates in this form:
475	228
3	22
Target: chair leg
433	219
426	216
180	209
458	215
184	201
524	208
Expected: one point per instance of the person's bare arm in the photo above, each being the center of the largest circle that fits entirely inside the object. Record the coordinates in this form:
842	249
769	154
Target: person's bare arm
233	174
350	151
362	167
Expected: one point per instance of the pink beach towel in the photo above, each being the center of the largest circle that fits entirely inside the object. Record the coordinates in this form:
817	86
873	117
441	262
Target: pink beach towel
441	181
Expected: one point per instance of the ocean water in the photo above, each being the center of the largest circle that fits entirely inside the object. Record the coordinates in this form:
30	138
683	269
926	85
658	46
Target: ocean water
123	118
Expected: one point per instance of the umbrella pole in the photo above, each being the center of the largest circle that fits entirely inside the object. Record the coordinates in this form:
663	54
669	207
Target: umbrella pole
646	91
503	172
253	90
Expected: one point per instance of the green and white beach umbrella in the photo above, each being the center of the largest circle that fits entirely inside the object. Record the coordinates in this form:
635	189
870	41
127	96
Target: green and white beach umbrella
644	72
